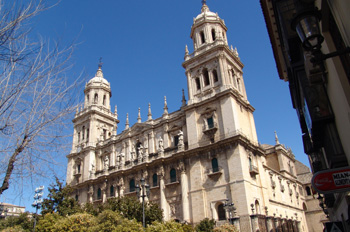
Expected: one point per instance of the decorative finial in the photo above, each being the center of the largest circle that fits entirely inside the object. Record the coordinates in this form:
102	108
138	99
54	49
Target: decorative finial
139	116
183	98
149	112
116	111
165	113
127	121
186	53
205	8
276	138
99	70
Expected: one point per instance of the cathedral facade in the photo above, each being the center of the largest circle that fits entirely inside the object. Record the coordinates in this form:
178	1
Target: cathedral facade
202	161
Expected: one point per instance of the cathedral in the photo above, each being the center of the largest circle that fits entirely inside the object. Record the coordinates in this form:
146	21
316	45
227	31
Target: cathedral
201	161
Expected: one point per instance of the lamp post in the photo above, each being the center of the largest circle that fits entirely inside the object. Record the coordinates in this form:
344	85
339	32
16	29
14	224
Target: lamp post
229	207
39	192
143	191
306	24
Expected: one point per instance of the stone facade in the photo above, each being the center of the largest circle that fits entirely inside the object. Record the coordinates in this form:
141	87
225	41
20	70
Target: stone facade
196	159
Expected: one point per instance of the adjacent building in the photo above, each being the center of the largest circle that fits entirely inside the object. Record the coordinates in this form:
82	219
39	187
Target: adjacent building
310	40
197	160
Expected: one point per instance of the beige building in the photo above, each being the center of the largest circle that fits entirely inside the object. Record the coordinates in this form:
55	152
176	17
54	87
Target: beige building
7	210
197	159
311	44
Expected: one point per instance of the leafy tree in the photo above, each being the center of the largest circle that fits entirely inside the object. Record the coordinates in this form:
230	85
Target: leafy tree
22	223
206	225
47	222
110	221
80	222
58	200
169	226
131	208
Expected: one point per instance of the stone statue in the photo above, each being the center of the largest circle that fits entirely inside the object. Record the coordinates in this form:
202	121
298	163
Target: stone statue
106	164
160	145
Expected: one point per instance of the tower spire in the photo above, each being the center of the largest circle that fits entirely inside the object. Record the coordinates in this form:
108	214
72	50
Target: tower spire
99	72
139	116
165	113
183	98
276	138
127	121
149	112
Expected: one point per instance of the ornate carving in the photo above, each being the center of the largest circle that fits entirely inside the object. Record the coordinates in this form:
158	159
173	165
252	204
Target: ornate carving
181	166
161	172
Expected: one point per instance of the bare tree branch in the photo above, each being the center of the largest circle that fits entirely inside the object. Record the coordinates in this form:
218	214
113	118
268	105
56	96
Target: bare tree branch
36	98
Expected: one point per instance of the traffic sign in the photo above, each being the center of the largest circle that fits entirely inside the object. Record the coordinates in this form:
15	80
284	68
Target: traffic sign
332	180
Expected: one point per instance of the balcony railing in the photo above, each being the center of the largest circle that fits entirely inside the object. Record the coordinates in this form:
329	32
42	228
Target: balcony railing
253	170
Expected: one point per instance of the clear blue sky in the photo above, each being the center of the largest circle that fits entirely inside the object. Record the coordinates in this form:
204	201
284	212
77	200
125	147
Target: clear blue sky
142	45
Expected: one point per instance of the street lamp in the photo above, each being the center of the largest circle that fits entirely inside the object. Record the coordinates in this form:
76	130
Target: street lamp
229	207
306	24
39	192
143	191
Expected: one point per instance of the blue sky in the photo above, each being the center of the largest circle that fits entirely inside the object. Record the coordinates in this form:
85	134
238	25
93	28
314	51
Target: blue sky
142	45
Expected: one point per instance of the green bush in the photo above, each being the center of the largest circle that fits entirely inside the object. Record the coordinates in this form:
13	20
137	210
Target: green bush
21	223
169	226
206	225
226	228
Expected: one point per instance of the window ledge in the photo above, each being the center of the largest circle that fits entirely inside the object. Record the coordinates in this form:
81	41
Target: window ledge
172	183
214	174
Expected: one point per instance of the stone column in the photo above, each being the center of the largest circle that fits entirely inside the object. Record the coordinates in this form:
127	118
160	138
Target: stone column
184	193
151	143
299	226
269	224
116	190
163	202
235	222
255	222
104	192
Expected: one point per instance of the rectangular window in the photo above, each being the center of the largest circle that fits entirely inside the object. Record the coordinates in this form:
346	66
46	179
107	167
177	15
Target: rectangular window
176	140
210	122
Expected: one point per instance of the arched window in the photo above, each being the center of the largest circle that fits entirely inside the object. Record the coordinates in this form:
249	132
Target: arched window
198	84
155	180
172	175
96	98
132	185
99	194
257	207
221	212
78	137
213	34
308	191
202	37
210	122
87	99
215	75
111	191
214	165
83	134
104	100
206	77
78	168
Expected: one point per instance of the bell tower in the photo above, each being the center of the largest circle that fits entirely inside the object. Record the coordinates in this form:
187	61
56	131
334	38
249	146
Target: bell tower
215	82
95	122
213	67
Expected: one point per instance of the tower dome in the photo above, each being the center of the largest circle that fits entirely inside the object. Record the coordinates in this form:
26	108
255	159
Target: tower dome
98	79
